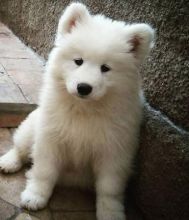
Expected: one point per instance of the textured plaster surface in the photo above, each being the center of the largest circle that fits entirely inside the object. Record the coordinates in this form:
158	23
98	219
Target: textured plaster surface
165	74
161	187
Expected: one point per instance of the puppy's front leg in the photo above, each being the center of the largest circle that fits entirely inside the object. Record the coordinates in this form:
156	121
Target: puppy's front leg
43	175
110	186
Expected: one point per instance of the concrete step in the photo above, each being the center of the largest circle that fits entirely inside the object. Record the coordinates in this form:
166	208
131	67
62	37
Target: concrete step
20	78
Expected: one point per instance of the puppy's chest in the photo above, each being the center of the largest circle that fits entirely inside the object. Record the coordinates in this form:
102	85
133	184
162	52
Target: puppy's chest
77	148
81	131
83	137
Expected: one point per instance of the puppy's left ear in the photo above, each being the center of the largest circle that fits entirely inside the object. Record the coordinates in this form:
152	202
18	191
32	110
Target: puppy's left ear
140	38
74	14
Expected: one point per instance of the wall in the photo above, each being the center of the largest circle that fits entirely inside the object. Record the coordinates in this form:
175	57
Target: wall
165	75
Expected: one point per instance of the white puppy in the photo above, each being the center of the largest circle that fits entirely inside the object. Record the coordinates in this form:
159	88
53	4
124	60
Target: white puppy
85	130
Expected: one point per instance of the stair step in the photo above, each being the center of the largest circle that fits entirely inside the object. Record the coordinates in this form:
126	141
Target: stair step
20	78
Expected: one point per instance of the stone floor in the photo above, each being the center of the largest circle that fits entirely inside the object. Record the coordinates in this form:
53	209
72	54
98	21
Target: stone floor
64	204
20	78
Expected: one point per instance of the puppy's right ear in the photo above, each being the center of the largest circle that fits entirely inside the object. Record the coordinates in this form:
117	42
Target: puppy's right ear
73	15
140	38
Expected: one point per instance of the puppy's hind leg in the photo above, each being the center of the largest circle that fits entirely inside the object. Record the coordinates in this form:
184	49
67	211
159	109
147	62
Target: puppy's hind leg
23	139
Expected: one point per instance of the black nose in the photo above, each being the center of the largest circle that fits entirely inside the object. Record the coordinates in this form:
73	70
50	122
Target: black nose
84	89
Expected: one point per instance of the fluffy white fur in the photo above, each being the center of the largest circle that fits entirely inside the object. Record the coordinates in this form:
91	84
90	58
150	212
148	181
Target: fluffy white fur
87	141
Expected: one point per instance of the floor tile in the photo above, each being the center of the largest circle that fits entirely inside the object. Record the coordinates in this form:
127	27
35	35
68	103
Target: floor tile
74	216
6	210
72	200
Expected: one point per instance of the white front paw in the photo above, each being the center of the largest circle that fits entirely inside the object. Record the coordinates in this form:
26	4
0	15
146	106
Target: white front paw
10	162
32	200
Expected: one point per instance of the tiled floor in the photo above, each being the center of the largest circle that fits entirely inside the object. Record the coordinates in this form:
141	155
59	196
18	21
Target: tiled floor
20	78
64	205
20	69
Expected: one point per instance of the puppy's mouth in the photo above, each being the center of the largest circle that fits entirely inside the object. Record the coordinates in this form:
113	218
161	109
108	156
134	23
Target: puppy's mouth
80	97
84	97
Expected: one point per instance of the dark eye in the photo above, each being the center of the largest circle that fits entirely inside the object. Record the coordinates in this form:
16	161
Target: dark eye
78	61
104	68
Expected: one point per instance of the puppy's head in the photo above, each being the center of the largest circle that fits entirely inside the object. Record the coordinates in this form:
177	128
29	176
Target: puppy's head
94	54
